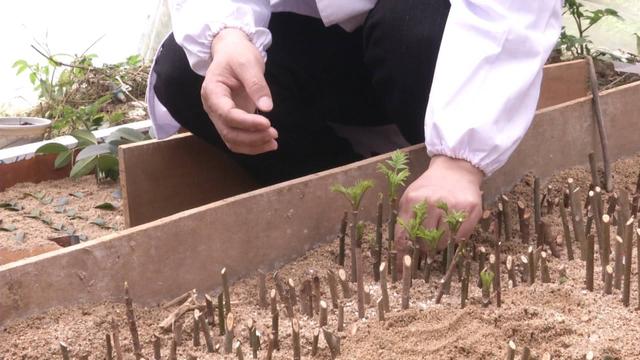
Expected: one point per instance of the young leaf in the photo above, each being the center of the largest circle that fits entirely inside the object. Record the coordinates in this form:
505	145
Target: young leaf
84	167
61	201
51	148
117	194
106	206
19	236
57	227
125	135
46	200
396	172
63	159
84	137
35	214
486	277
8	227
354	193
107	162
93	150
37	196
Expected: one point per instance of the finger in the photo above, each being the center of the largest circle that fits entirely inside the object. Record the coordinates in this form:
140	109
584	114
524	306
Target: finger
255	85
272	145
220	106
240	139
468	225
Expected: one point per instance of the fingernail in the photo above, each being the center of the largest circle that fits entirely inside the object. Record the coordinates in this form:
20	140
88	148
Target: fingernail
274	133
265	103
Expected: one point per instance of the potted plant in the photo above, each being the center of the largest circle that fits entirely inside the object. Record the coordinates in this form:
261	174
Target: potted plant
16	131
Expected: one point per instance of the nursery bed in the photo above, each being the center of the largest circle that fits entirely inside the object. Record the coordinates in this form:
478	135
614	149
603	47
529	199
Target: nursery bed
66	202
560	317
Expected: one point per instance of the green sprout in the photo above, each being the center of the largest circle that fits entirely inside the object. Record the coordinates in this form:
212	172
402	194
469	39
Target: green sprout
414	225
396	171
415	231
486	276
453	218
354	193
431	237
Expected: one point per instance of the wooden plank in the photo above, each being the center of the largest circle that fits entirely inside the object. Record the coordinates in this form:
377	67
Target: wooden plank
35	169
197	174
160	178
564	82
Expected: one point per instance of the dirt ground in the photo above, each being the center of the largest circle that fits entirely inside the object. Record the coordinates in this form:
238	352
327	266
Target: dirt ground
53	209
560	317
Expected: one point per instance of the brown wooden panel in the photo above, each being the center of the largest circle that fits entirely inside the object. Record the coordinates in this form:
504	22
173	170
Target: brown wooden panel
36	169
160	178
564	82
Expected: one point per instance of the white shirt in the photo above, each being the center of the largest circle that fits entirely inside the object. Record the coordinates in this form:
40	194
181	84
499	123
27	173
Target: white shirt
487	77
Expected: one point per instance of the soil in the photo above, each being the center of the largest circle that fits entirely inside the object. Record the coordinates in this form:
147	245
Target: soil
560	317
67	214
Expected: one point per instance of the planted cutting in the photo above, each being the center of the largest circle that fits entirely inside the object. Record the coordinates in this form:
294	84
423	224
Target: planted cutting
397	172
417	233
354	195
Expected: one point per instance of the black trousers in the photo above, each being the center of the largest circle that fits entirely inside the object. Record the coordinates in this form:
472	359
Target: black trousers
379	74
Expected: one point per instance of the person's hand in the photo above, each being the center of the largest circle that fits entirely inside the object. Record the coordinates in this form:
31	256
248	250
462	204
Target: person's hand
457	183
233	87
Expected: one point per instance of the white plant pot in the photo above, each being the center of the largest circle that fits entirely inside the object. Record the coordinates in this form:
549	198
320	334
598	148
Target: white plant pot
16	131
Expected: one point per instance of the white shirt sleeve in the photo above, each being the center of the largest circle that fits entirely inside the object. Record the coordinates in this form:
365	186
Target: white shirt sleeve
196	22
487	78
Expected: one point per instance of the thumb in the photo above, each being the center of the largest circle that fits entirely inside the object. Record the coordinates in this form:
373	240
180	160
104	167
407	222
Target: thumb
256	87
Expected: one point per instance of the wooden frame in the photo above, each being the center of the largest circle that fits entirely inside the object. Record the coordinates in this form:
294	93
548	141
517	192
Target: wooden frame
158	258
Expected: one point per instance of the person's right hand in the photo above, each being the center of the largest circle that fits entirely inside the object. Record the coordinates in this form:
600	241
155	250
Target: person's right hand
233	87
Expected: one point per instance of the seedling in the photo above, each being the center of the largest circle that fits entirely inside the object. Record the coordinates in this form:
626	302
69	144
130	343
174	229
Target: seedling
454	220
396	171
416	232
486	276
354	195
92	156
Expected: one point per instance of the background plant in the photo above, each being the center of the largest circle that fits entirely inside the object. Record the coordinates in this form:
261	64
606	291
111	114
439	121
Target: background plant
92	156
579	44
76	94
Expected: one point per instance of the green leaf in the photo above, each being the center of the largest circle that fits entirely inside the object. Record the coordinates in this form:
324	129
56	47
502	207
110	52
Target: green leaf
84	137
19	236
38	196
63	159
100	222
84	167
34	214
57	227
61	201
93	150
8	227
127	134
107	162
51	148
106	206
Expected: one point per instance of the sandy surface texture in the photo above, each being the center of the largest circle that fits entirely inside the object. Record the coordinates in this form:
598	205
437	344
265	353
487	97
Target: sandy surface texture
48	210
560	317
